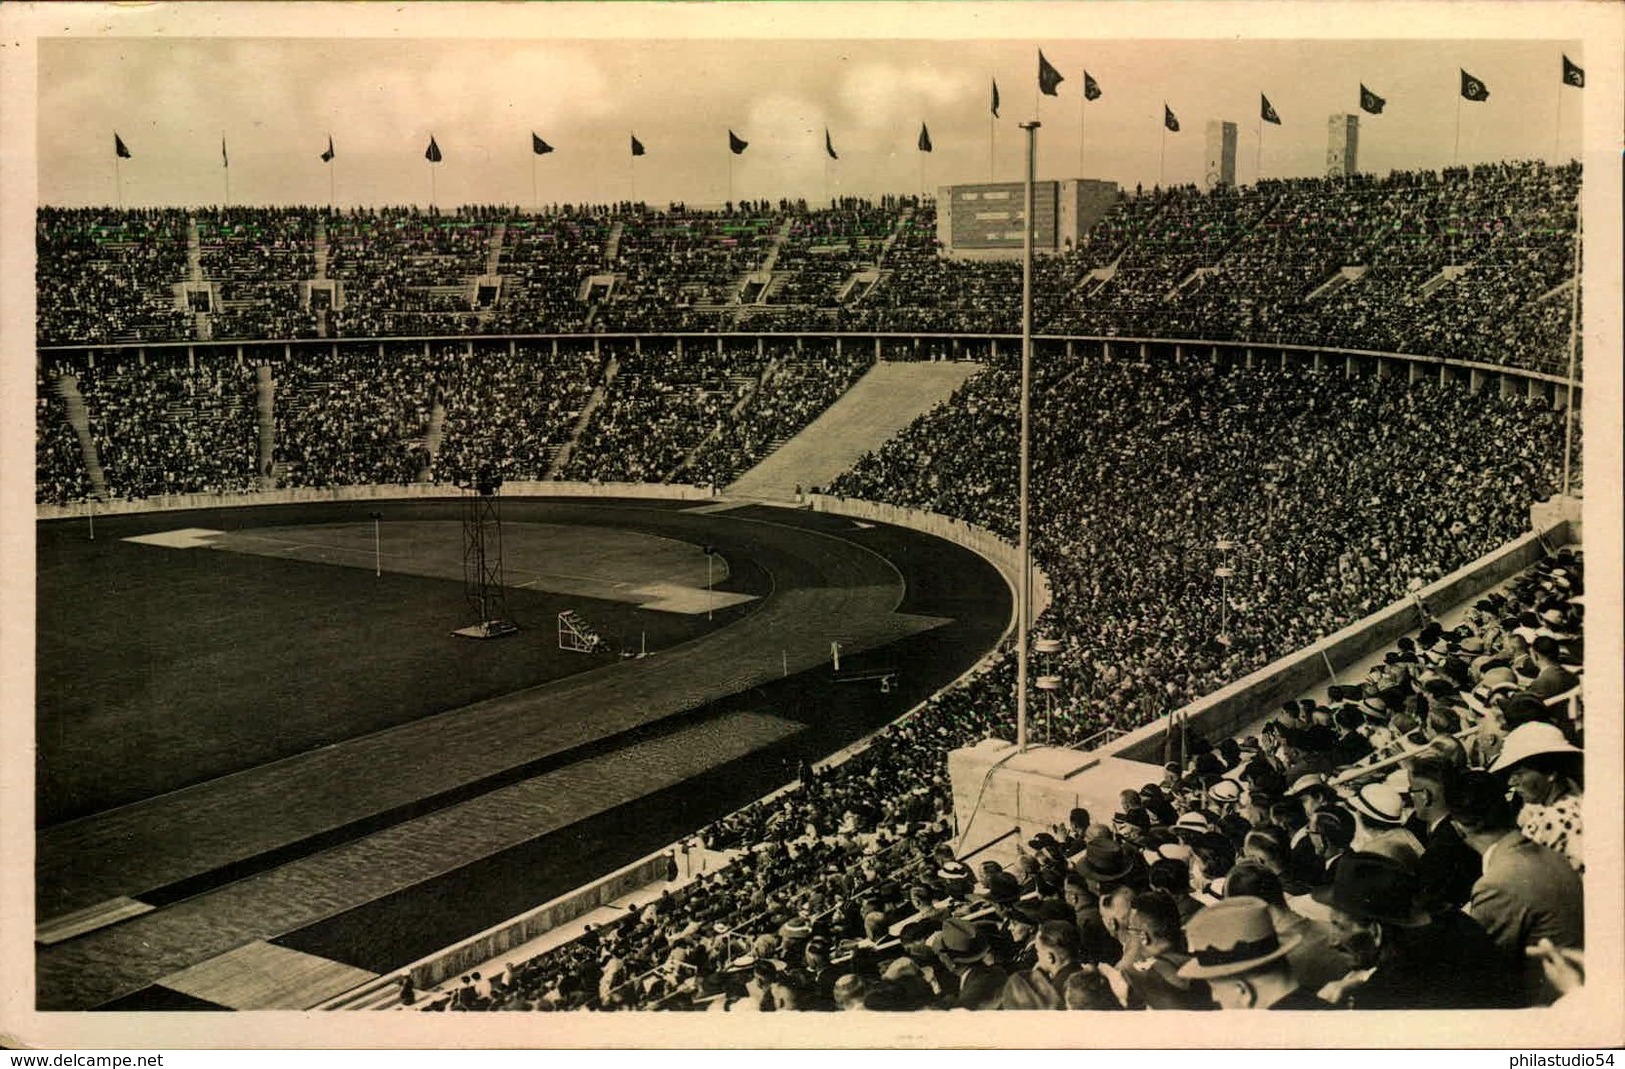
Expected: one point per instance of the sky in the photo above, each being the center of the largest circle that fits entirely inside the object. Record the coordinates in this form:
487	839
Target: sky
275	100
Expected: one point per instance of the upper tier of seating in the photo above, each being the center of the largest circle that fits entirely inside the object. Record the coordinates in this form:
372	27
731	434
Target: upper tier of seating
1467	263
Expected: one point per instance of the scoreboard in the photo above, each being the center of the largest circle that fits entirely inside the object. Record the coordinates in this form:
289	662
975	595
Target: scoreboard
984	220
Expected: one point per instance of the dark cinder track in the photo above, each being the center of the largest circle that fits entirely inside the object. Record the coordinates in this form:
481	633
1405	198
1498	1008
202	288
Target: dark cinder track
359	849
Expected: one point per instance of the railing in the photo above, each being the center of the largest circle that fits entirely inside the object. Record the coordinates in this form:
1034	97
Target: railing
963	345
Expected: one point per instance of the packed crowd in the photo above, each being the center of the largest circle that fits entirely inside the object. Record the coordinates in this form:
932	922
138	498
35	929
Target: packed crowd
256	257
1412	840
1467	263
797	387
343	419
659	410
60	476
510	415
170	428
104	275
1326	497
1251	263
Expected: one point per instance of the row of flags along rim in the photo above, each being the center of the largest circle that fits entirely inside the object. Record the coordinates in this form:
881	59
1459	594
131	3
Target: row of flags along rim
1049	81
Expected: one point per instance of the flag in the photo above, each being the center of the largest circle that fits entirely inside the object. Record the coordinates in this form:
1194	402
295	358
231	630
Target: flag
538	146
1268	113
1370	102
1473	89
637	146
1573	75
995	98
737	144
327	157
432	154
829	146
924	143
224	161
1091	88
1168	119
1048	76
119	148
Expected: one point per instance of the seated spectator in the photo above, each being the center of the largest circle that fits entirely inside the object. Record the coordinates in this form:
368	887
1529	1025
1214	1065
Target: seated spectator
1527	892
1545	771
1241	960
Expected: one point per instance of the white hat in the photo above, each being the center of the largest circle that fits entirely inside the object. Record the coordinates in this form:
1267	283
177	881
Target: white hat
1379	802
1531	740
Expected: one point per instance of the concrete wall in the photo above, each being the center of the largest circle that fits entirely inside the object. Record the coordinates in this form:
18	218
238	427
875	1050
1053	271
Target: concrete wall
493	942
302	494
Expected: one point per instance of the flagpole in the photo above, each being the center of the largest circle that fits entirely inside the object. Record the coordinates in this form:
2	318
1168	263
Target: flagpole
1574	335
225	166
1455	153
1258	160
330	198
730	179
1162	156
534	204
118	180
1557	127
1024	585
992	141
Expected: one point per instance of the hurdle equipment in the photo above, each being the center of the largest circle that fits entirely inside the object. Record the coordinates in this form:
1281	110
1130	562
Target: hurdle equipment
576	635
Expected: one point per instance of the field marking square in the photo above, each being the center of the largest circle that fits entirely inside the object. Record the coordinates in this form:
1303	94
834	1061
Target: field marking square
181	538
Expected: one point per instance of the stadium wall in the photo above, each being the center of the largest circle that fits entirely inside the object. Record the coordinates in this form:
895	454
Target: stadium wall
310	494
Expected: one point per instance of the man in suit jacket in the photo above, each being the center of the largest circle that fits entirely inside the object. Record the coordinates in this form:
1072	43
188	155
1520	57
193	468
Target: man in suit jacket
1448	867
1527	892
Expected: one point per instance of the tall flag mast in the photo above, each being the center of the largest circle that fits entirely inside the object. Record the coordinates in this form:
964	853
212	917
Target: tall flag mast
1572	76
327	158
120	152
1266	114
432	154
538	147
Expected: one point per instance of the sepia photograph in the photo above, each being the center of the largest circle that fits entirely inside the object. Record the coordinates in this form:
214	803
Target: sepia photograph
907	510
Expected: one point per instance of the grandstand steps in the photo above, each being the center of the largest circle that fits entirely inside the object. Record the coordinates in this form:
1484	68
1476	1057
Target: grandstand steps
1191	282
1555	291
1096	280
887	399
194	252
320	242
865	278
493	253
1447	274
588	410
903	218
612	244
779	239
1344	277
265	422
67	388
433	437
203	326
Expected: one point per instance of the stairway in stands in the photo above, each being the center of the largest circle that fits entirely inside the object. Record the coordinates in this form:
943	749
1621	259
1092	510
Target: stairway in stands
883	402
493	254
265	421
434	436
599	392
67	388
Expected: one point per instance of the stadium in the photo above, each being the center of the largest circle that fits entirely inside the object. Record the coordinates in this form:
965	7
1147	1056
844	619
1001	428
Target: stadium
613	605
